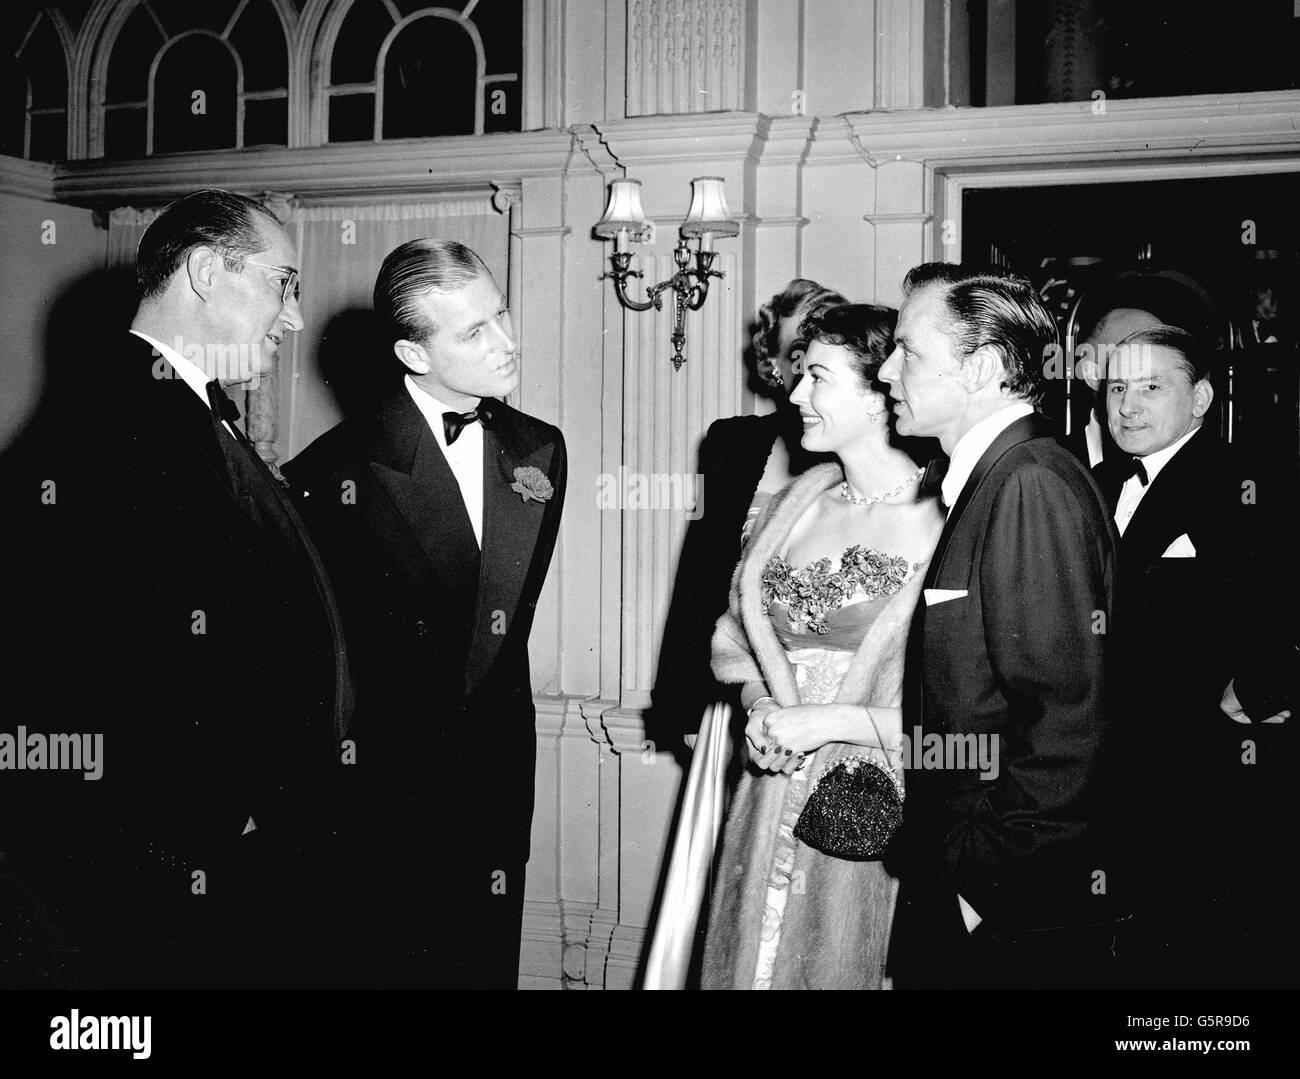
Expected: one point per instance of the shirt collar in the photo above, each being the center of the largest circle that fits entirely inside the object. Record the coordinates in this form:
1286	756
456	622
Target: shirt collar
191	373
971	446
1154	462
430	407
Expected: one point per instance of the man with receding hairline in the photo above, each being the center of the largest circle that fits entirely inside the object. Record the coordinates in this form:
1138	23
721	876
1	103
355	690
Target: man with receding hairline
173	598
438	517
1206	608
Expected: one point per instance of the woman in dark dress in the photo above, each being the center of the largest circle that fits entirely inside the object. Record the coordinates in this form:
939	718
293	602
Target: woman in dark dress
743	461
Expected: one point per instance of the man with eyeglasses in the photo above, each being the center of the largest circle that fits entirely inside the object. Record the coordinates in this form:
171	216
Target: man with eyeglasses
178	606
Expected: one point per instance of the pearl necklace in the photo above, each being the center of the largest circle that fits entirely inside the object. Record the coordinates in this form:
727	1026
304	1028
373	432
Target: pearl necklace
870	500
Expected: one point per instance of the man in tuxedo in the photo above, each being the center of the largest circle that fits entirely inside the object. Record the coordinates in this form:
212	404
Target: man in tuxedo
1004	879
1087	440
1205	607
172	601
1136	300
438	516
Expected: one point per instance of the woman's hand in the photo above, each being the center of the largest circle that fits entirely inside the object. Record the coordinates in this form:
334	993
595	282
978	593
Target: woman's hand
781	738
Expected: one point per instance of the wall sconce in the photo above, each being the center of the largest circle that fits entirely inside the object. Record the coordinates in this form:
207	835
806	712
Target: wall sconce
708	217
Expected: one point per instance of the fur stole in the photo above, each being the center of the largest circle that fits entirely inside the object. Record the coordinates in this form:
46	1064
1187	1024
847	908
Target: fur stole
837	917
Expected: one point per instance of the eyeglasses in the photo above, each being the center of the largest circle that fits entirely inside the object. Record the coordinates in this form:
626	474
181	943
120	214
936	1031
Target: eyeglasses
292	286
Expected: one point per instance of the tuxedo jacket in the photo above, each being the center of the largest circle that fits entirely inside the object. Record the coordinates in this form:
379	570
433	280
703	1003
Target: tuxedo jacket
1209	798
169	601
1230	607
1017	653
438	629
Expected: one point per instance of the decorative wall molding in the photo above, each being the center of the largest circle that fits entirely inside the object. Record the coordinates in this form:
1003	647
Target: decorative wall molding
386	170
899	219
900	53
785	139
790	221
677	140
262	411
26	179
685	56
541	947
1139	130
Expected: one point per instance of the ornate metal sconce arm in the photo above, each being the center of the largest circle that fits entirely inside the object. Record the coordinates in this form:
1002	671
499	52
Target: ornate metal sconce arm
690	287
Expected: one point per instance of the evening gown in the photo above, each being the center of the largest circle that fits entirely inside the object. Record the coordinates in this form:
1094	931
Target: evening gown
825	922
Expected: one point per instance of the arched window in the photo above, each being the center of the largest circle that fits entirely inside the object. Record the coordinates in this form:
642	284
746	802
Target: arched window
34	86
213	76
401	69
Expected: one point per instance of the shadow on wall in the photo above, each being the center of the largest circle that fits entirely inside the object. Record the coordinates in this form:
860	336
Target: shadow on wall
355	364
85	322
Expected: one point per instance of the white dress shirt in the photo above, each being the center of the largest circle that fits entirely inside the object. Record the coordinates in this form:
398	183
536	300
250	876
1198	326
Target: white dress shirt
190	373
1131	494
1092	438
971	446
464	456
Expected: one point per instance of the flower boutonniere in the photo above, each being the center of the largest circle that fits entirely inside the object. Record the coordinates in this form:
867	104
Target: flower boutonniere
531	483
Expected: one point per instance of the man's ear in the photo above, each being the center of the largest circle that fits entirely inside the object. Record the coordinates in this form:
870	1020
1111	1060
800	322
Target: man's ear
981	367
200	270
413	356
1202	398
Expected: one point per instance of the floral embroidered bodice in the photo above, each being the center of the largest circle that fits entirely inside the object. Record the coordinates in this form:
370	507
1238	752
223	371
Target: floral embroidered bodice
804	603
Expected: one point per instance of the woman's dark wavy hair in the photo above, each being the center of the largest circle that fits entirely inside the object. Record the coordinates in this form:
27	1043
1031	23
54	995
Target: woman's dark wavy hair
865	329
800	297
990	306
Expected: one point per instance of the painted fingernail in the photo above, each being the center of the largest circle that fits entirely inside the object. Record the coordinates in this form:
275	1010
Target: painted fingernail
762	751
788	752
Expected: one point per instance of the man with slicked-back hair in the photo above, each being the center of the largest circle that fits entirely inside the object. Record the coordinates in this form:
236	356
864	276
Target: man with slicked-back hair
1009	880
437	516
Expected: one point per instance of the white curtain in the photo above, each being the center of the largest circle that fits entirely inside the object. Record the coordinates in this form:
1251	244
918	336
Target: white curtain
341	248
125	227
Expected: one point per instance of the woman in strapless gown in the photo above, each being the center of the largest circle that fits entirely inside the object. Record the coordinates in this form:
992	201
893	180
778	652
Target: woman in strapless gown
816	633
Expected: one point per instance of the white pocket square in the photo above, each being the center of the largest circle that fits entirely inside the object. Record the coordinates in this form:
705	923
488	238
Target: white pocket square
943	595
1180	548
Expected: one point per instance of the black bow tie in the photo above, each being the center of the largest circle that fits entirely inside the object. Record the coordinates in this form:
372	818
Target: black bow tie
1133	466
455	422
222	406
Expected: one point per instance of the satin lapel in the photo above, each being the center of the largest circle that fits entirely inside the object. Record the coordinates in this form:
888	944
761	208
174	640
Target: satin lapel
185	427
1108	479
420	483
1021	430
510	530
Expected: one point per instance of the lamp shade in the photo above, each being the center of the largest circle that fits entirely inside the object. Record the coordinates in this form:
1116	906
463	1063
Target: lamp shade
623	211
709	212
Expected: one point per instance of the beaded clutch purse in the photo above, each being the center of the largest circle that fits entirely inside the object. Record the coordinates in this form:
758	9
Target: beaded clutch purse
854	808
852	811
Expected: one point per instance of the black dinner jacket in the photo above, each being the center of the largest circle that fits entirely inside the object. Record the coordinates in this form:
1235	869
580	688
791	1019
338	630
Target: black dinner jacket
161	609
1017	658
1209	798
1232	593
438	630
